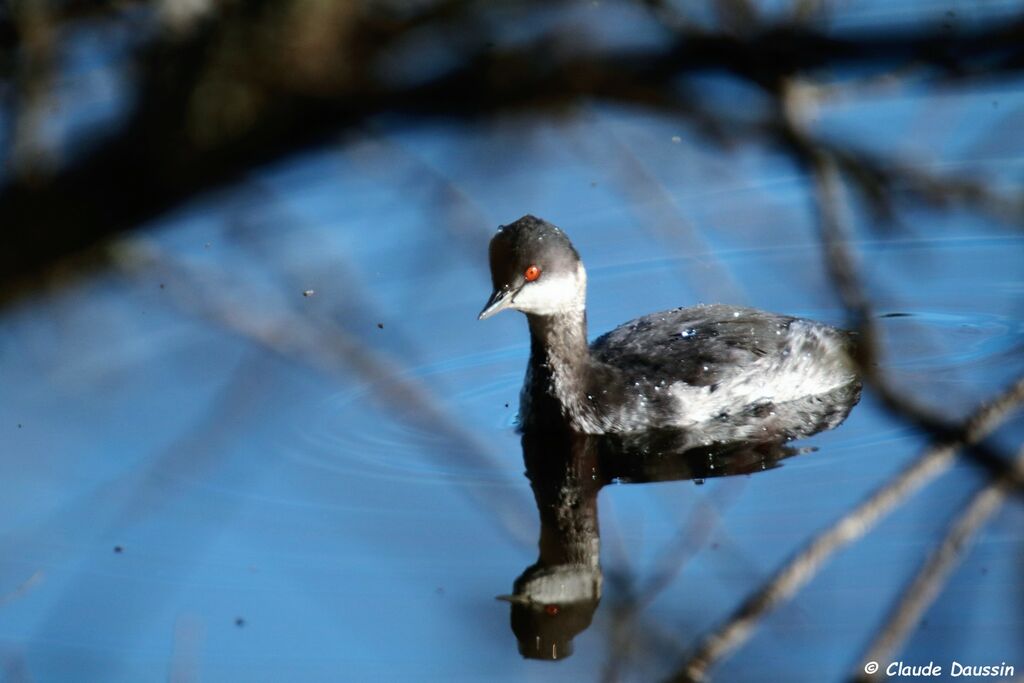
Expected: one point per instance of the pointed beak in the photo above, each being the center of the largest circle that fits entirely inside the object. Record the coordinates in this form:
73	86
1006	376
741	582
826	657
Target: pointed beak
500	299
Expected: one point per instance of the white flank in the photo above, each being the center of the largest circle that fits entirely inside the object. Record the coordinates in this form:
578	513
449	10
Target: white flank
776	379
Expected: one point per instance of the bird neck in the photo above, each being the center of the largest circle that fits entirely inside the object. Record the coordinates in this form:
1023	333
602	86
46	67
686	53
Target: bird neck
559	359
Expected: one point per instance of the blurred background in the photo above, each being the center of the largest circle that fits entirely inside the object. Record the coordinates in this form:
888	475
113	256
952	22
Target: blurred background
251	430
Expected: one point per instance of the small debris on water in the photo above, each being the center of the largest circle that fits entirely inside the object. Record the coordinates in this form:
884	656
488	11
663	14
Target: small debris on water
676	139
308	292
698	482
118	549
380	326
239	622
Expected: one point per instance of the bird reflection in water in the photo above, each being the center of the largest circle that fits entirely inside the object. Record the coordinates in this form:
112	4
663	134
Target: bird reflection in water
555	598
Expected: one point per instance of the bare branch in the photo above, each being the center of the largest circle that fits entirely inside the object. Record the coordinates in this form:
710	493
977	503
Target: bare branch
238	91
930	579
832	210
802	567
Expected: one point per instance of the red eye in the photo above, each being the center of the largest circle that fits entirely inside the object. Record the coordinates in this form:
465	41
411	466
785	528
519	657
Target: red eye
552	610
532	273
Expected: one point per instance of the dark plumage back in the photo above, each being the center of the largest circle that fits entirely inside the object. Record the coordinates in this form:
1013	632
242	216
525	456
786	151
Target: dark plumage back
697	345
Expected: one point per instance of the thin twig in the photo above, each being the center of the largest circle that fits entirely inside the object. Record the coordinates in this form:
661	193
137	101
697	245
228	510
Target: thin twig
930	579
802	567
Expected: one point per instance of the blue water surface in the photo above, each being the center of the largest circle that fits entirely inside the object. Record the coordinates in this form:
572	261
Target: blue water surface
272	442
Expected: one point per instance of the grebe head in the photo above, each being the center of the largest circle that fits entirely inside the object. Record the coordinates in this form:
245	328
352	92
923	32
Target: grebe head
535	269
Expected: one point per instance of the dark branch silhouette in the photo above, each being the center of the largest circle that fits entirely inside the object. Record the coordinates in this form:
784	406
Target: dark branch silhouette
247	83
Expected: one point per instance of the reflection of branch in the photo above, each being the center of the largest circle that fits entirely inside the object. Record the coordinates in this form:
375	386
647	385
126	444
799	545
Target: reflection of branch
186	649
23	588
688	541
804	565
326	346
932	576
458	217
662	214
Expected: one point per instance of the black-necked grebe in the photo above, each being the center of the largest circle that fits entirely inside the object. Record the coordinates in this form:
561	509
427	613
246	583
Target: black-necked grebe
721	373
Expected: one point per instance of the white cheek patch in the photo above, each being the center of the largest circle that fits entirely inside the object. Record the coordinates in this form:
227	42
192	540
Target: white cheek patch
552	294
